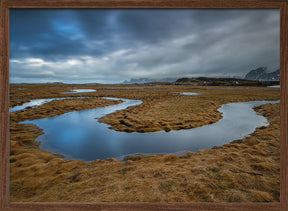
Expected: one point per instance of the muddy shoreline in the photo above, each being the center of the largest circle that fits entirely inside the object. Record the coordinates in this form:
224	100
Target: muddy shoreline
245	170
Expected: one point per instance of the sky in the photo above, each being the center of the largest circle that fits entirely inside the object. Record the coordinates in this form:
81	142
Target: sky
113	45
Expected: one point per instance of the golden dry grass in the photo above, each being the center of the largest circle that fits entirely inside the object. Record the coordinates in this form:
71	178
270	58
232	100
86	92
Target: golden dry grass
57	107
246	170
167	110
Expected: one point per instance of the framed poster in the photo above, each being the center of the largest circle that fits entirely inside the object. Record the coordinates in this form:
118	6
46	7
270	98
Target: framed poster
144	105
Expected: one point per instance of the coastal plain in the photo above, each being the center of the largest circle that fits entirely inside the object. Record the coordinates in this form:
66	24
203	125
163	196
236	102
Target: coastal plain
245	170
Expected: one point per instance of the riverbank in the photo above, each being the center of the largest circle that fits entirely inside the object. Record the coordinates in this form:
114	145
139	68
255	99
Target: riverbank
57	107
244	170
163	107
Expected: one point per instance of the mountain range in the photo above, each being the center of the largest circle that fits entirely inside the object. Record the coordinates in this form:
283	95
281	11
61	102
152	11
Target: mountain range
260	74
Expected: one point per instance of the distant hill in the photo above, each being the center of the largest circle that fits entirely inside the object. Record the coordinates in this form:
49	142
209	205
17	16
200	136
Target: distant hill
148	80
260	74
256	77
207	81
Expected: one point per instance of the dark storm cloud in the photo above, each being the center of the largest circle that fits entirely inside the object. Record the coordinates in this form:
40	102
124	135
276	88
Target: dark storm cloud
38	33
110	45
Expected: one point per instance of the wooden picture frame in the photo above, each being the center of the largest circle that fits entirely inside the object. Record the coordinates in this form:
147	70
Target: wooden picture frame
5	5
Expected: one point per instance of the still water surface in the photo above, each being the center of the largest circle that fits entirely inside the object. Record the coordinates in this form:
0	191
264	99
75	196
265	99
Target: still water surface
35	102
79	135
38	102
80	91
188	93
274	86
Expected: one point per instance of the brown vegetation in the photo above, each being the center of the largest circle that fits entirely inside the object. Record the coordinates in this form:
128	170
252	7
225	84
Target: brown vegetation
173	111
57	107
245	170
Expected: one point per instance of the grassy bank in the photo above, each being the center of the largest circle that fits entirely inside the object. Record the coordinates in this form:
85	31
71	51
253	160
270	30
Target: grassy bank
163	108
57	107
245	170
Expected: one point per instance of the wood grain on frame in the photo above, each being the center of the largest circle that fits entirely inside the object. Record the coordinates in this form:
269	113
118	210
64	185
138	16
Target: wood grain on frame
4	89
4	81
145	3
284	106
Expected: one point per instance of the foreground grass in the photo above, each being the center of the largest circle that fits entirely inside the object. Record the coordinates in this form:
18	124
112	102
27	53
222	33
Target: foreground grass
246	170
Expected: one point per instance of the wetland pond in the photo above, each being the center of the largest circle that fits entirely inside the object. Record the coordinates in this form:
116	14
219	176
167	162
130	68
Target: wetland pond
80	91
79	135
274	86
38	102
189	93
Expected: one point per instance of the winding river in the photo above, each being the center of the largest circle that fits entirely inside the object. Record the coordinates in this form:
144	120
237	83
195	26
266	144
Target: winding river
79	135
38	102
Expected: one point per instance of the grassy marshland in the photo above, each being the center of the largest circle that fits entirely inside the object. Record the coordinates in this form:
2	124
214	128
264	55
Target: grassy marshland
246	170
57	107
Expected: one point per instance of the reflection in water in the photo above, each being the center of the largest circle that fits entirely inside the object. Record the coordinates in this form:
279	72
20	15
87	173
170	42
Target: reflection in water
38	102
35	102
79	135
274	86
188	93
80	91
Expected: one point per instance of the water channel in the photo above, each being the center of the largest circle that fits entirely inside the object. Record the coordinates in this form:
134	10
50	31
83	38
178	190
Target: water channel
78	134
